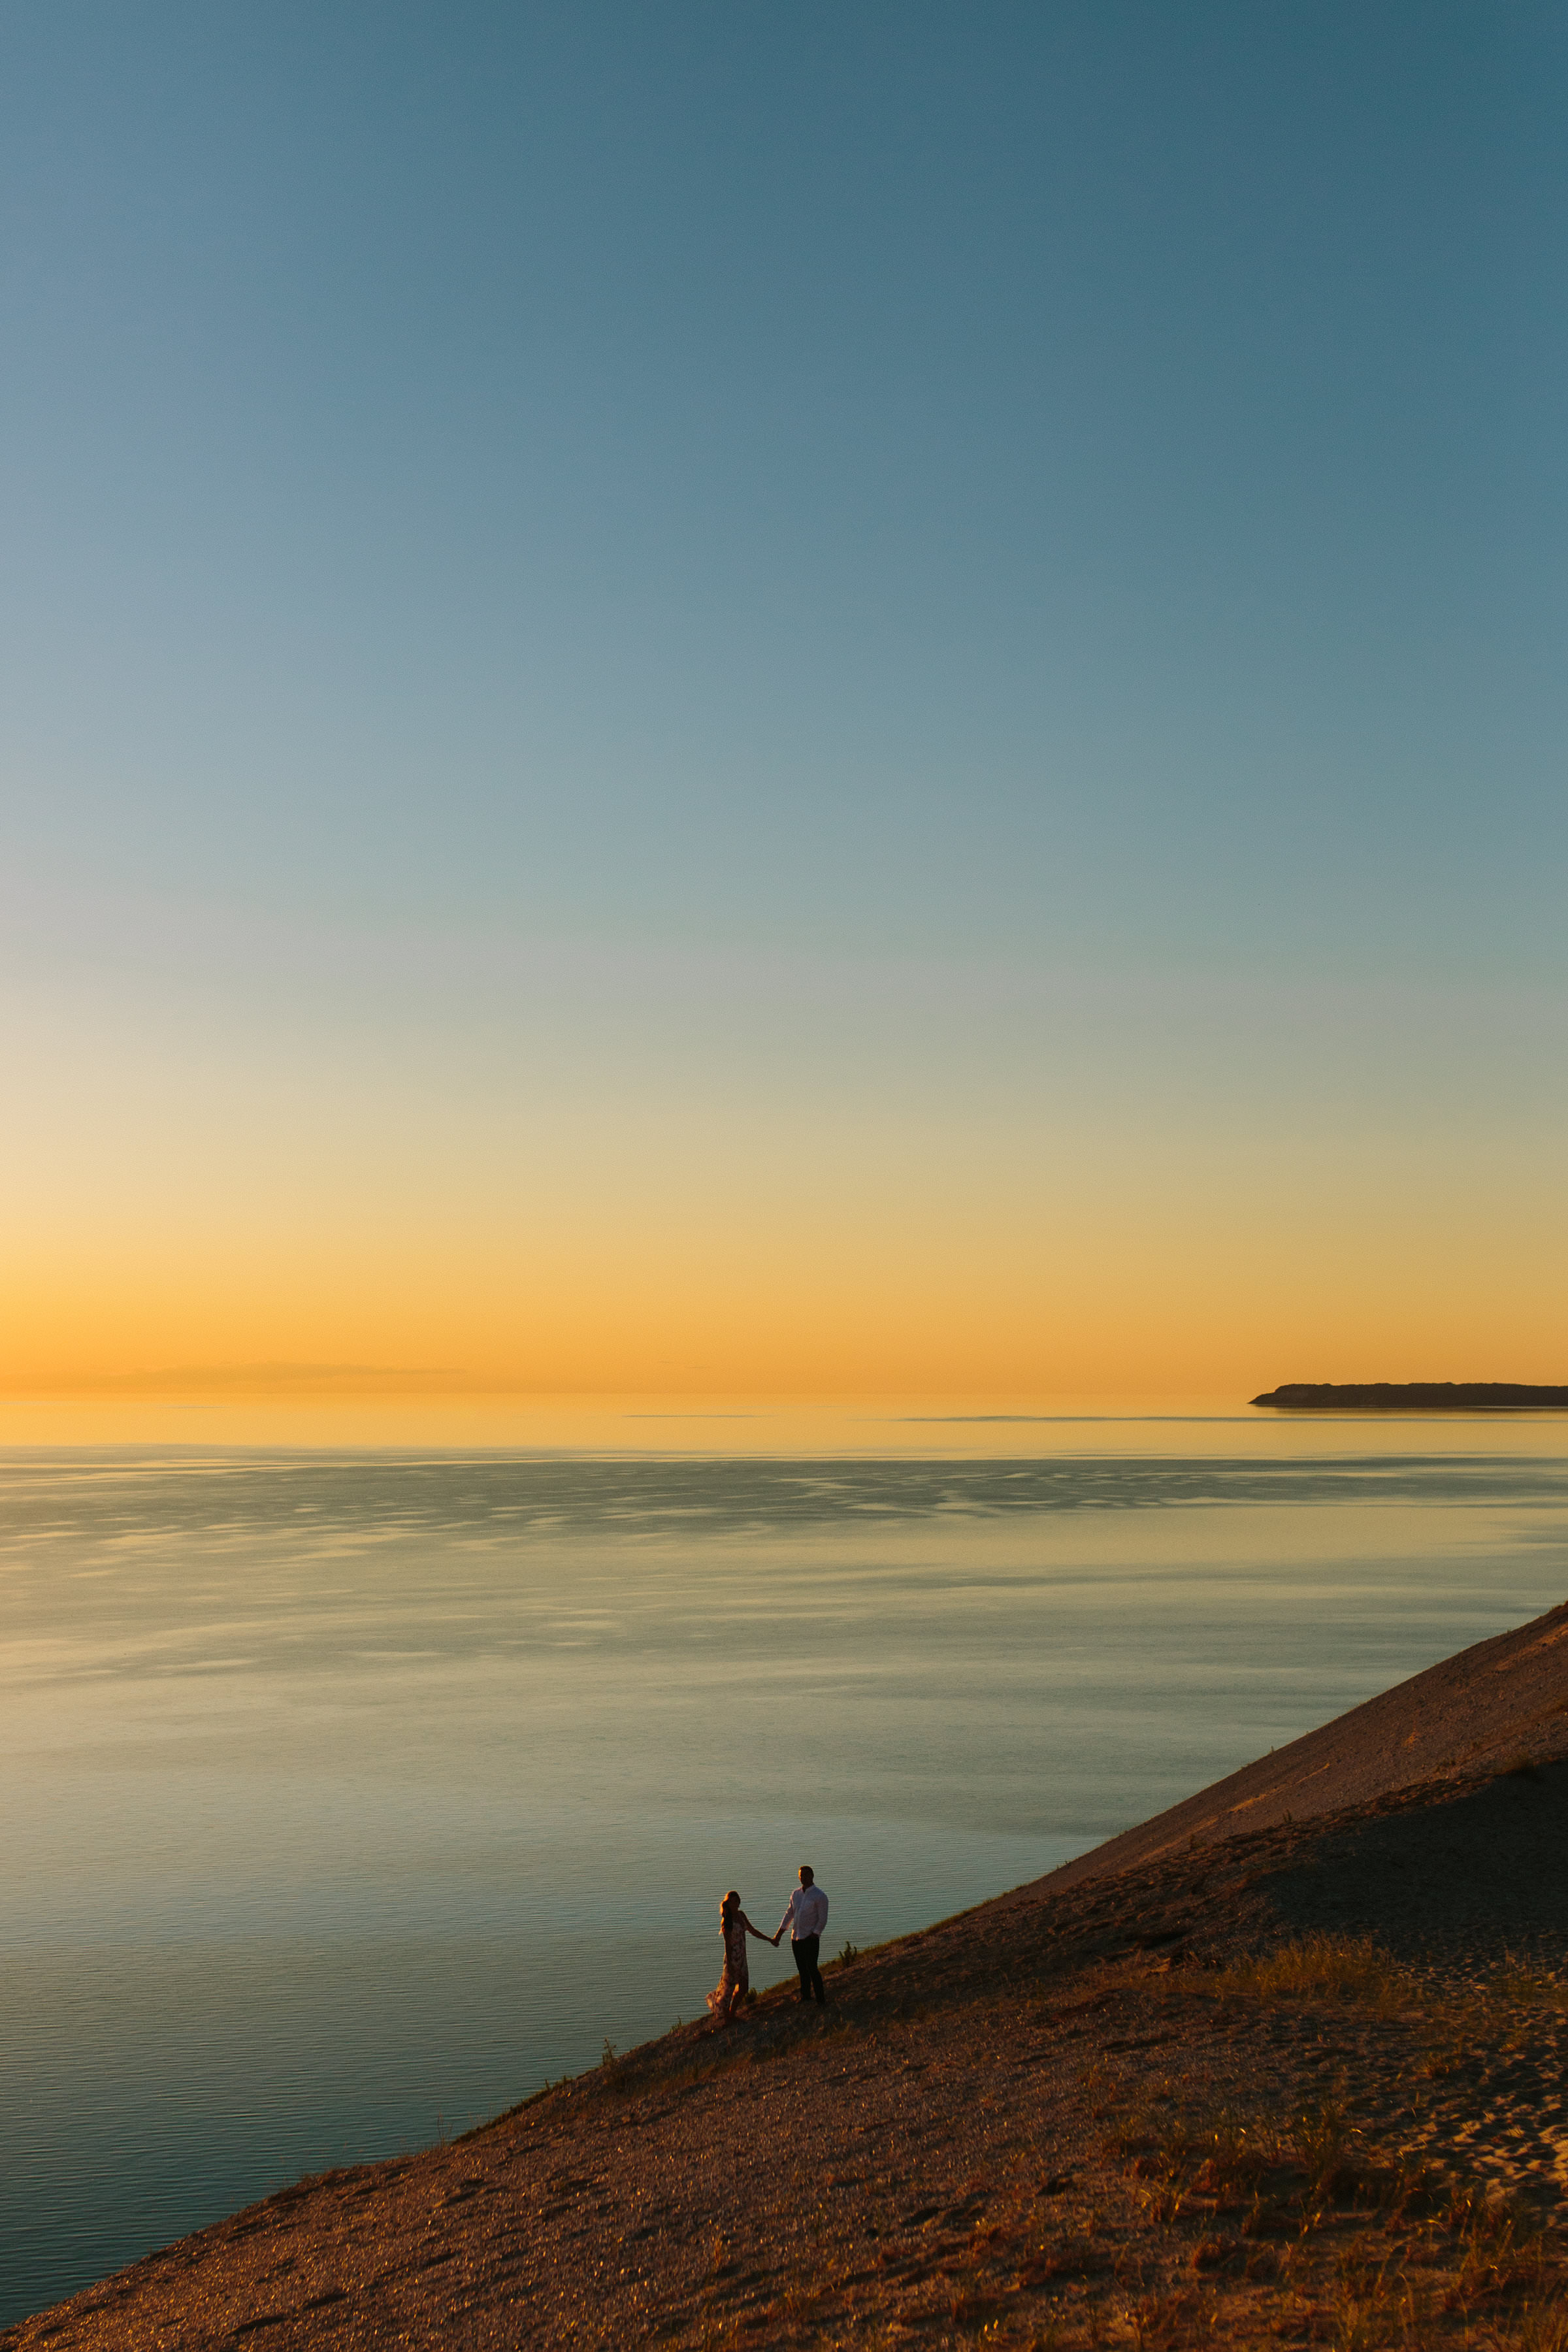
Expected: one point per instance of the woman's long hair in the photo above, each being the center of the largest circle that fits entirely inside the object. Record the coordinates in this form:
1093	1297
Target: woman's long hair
728	1908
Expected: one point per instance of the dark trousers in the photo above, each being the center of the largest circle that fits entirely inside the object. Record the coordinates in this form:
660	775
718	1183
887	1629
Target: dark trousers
805	1948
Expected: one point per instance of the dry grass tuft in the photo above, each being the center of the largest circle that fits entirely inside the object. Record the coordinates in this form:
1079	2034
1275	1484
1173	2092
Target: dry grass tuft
1501	2251
1159	2323
1539	2329
1230	2156
1376	2305
1320	2137
1526	1987
1323	1966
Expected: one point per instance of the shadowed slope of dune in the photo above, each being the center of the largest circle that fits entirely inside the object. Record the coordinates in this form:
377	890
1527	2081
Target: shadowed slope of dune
1476	1713
1301	2081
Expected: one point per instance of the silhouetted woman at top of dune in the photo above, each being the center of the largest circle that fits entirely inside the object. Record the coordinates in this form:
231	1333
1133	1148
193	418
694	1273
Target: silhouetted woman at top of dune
735	1983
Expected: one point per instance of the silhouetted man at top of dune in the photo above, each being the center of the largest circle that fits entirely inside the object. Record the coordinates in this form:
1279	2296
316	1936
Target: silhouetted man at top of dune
806	1916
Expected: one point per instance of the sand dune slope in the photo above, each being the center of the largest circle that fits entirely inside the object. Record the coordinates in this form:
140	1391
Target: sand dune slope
1472	1714
1287	2065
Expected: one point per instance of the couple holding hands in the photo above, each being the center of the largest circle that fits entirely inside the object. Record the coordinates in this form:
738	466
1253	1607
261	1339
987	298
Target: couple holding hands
806	1916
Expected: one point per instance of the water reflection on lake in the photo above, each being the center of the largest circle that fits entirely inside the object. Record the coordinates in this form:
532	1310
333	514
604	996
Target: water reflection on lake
346	1798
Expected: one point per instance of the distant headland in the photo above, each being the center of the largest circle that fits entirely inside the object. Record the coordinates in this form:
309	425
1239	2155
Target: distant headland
1413	1396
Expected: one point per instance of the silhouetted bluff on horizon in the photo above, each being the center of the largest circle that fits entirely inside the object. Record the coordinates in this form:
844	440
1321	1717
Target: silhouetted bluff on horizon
1412	1396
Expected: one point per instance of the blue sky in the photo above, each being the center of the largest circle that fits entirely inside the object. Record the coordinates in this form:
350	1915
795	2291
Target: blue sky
879	512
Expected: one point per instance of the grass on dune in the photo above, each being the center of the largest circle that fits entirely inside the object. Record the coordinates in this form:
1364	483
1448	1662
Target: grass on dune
1324	1966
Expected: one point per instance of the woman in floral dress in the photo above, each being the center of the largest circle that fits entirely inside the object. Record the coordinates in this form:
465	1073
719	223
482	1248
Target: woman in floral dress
735	1983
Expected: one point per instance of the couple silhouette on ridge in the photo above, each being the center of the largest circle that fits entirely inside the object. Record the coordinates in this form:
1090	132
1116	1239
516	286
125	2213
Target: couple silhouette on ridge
806	1916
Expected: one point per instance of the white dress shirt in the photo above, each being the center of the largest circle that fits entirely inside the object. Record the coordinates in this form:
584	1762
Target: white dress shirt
806	1914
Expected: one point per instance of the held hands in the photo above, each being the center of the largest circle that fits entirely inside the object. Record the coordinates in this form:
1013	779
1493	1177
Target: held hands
775	1939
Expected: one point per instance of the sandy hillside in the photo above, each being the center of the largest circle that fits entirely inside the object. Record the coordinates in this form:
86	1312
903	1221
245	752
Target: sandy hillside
1282	2067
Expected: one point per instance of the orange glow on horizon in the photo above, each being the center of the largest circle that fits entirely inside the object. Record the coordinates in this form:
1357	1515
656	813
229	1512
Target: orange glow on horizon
1065	1311
186	1230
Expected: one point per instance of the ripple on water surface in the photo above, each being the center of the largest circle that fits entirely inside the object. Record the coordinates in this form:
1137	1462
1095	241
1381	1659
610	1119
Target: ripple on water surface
348	1798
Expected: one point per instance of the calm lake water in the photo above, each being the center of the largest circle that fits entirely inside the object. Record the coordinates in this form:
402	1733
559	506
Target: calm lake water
346	1798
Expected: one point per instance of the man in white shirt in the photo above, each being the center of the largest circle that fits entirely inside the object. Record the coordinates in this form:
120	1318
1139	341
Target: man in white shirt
806	1916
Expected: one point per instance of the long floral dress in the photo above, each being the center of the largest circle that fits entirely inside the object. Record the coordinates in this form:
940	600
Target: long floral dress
736	1978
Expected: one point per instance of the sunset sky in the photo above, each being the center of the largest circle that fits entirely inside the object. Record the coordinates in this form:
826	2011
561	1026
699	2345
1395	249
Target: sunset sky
742	698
